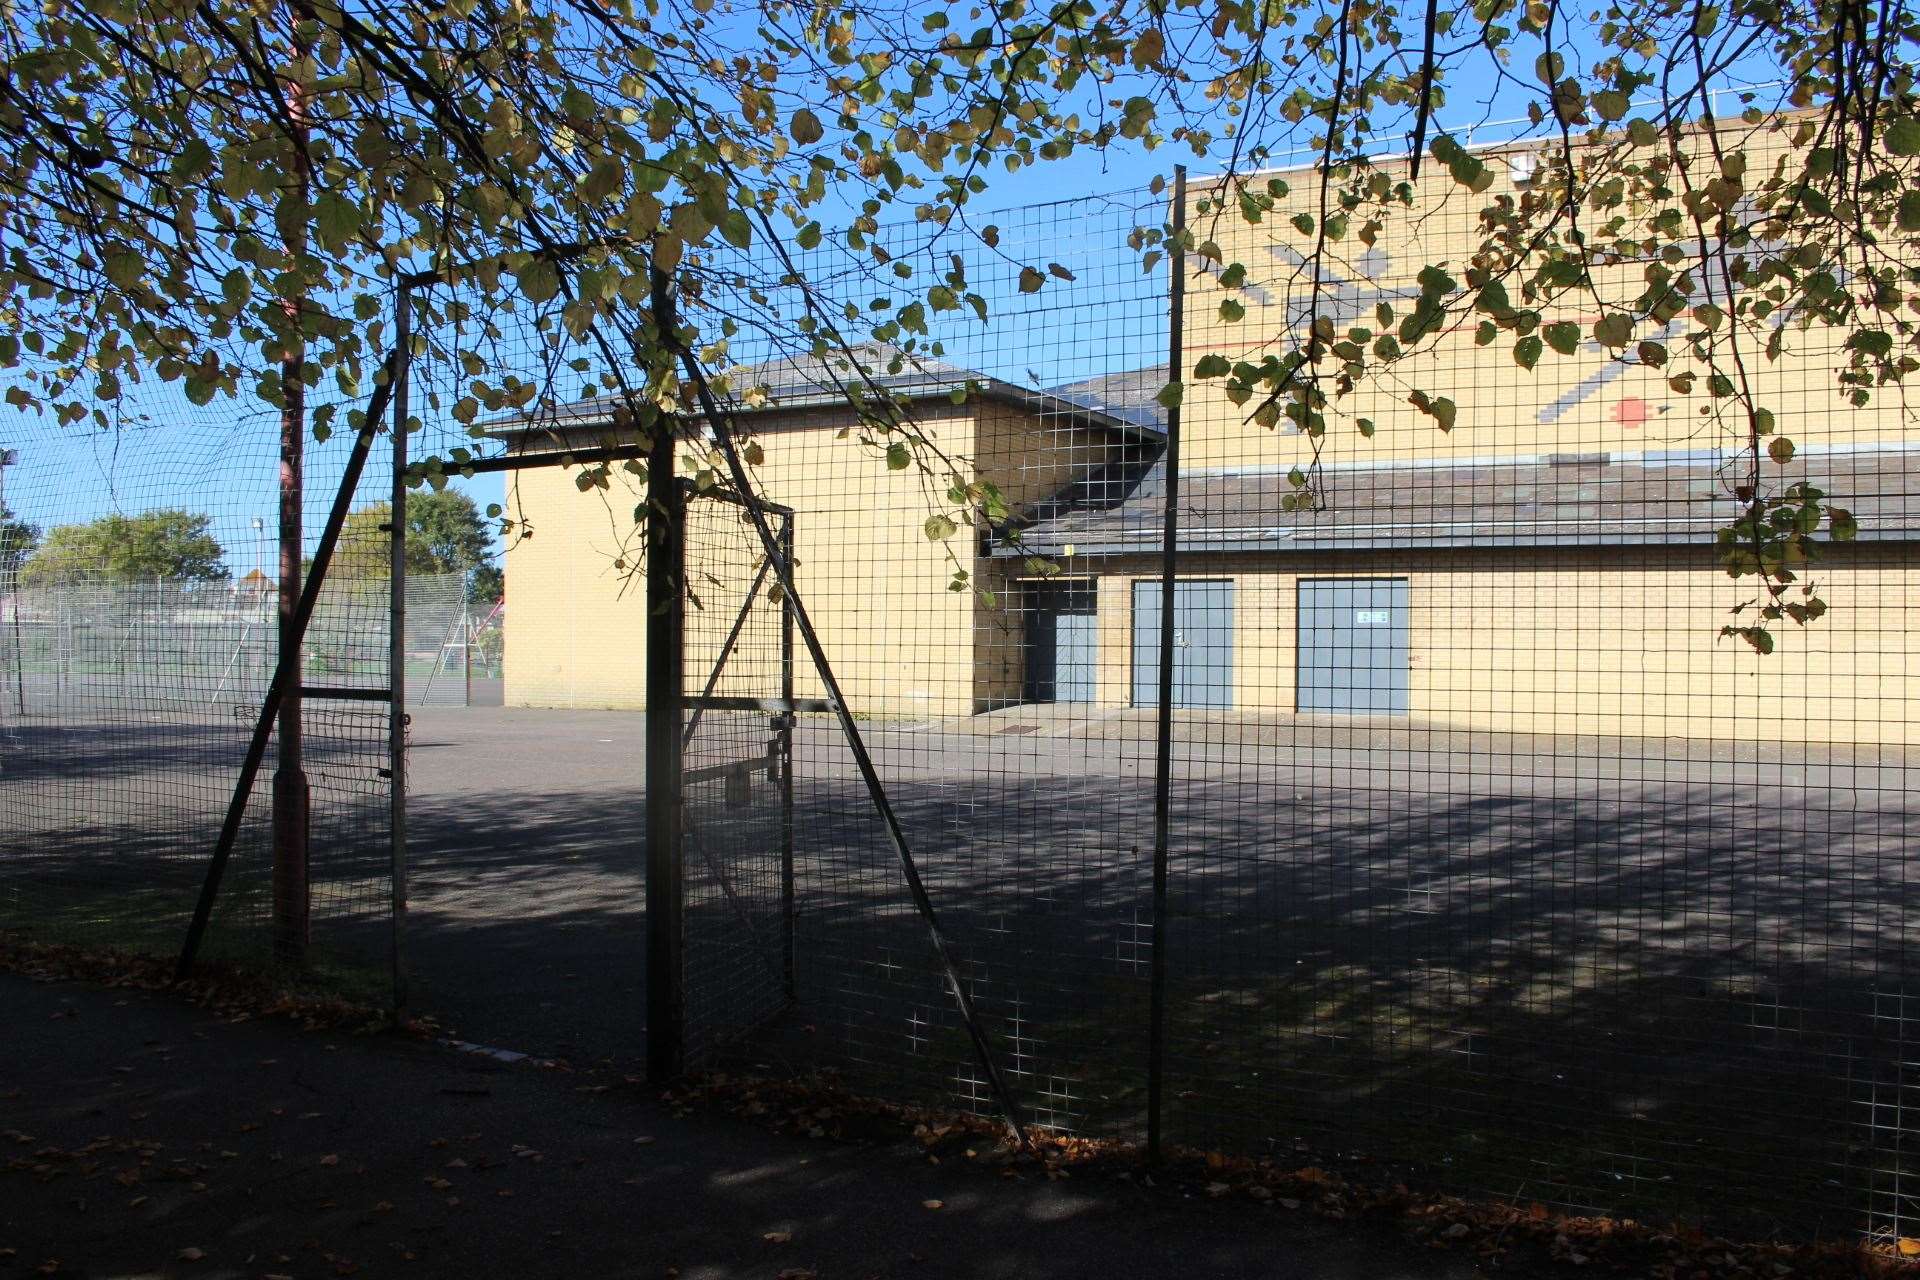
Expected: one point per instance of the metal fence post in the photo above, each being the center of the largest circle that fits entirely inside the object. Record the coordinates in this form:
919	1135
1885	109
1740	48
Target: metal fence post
466	648
11	458
721	426
788	722
397	647
666	697
1163	743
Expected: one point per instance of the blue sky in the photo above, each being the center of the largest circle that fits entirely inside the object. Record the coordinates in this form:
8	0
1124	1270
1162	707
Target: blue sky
222	459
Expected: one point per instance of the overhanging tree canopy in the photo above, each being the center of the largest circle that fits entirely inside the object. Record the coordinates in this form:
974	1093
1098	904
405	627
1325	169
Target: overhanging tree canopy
175	175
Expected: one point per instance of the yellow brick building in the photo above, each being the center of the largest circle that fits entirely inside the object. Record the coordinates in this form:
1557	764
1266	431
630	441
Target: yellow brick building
1545	567
904	644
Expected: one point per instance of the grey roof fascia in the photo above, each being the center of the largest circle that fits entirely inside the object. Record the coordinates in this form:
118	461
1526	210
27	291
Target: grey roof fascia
1290	540
584	415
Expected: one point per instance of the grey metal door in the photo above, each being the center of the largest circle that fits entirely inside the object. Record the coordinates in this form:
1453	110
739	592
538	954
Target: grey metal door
1202	644
1062	642
1353	644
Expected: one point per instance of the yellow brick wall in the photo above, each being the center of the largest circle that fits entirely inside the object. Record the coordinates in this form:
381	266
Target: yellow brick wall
1582	642
1588	402
900	642
903	645
576	621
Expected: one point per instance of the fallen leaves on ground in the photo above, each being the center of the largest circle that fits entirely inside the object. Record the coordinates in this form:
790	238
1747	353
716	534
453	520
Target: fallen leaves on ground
231	992
1496	1234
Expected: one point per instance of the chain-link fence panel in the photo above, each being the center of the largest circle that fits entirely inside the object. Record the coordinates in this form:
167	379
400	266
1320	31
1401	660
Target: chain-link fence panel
736	781
1490	860
139	621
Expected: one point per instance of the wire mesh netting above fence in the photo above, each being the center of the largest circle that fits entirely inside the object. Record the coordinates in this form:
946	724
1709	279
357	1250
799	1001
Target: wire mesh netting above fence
1490	859
1489	862
138	637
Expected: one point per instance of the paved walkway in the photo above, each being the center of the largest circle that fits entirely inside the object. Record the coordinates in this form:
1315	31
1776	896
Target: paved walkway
140	1137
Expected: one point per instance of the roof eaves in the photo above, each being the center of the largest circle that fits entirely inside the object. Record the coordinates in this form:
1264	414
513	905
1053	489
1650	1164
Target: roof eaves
1678	533
576	416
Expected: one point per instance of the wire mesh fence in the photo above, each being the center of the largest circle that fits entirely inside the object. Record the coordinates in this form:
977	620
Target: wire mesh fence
737	780
165	645
139	624
1489	862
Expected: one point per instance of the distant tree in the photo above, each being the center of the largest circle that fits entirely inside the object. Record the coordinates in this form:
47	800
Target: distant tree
485	585
17	541
166	543
450	527
362	552
445	534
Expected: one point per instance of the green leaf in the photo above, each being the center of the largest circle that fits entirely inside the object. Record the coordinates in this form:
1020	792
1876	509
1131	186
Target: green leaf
1611	104
538	281
1910	211
1526	352
1902	138
124	268
1615	329
1031	280
1231	311
337	219
1563	337
1871	342
1470	171
737	230
1171	395
1781	450
1212	365
805	128
899	457
1759	637
939	528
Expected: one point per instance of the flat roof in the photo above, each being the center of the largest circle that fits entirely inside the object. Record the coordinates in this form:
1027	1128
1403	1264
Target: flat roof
1572	500
799	384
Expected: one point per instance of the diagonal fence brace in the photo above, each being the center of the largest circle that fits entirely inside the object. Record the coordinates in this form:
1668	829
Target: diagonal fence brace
722	427
287	668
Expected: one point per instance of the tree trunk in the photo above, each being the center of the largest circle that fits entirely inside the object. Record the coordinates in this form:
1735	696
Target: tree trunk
292	894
